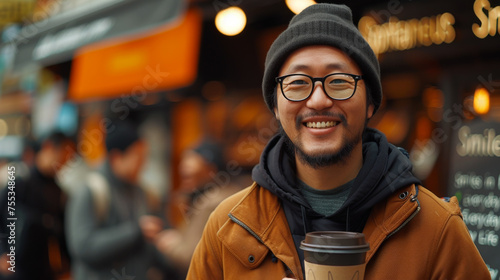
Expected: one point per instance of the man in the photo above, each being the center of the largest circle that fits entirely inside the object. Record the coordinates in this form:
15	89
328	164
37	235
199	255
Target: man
327	171
110	224
39	203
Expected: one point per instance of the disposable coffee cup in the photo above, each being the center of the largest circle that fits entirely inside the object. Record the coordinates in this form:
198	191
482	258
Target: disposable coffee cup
334	255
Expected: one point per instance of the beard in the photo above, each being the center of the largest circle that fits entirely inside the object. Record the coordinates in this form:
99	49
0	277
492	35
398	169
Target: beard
322	159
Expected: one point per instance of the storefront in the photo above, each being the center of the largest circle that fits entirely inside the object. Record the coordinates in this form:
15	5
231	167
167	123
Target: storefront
439	62
142	61
37	72
36	62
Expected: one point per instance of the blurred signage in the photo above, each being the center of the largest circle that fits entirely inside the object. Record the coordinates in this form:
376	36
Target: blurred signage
475	180
71	38
407	34
489	19
161	59
385	31
46	9
55	39
12	11
482	145
76	5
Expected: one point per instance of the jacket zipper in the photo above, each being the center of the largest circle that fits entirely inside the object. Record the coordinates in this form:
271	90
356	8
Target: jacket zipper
234	219
406	221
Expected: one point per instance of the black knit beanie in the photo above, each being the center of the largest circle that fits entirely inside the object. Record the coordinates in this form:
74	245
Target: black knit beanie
323	24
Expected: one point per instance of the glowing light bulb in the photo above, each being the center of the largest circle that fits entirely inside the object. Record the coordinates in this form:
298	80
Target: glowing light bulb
296	6
481	101
231	21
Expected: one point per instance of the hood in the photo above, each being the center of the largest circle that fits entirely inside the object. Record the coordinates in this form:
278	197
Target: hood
385	170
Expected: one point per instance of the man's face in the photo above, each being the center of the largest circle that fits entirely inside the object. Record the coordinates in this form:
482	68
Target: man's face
194	171
128	164
345	120
52	157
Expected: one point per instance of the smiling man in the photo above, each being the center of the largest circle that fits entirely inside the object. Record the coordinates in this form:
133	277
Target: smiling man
327	171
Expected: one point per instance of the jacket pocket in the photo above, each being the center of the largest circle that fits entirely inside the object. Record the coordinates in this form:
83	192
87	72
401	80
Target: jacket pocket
243	244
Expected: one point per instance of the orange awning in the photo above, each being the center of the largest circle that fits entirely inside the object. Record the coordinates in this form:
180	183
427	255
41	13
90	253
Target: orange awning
165	58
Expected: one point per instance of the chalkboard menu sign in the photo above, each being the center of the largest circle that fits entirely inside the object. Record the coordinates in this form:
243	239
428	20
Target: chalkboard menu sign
475	180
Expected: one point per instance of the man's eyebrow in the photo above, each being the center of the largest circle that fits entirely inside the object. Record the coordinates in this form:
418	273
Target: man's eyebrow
337	66
332	66
297	67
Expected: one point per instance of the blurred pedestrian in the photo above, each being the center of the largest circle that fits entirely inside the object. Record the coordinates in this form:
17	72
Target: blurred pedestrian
204	183
40	246
326	171
111	223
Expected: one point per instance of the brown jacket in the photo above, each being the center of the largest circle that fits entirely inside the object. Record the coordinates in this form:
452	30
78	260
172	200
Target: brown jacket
247	237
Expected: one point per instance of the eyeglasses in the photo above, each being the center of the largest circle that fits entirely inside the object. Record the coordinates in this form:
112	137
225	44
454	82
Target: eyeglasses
338	86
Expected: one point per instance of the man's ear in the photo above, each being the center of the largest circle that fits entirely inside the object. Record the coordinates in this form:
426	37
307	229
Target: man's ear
369	111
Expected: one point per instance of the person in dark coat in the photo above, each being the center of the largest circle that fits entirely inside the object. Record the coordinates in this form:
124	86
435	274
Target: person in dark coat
39	206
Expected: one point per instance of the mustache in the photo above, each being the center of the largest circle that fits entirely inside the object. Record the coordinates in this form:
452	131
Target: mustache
300	119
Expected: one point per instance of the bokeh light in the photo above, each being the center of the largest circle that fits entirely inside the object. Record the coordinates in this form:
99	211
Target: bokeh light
231	21
296	6
481	101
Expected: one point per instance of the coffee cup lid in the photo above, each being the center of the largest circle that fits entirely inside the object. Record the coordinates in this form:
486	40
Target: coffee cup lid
337	242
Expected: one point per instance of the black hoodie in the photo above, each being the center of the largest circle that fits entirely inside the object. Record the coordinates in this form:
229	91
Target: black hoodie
385	170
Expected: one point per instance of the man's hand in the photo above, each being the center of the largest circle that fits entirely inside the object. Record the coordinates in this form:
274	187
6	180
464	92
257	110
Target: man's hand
151	226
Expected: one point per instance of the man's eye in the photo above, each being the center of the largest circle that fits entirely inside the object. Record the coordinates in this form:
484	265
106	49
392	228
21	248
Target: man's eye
298	82
338	81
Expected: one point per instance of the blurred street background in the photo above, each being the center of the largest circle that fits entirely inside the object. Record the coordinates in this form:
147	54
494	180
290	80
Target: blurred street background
190	70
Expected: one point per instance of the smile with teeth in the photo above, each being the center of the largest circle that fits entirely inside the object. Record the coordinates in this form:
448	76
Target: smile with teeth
321	124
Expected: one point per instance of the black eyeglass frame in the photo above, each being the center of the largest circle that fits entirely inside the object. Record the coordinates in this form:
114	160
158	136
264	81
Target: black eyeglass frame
322	80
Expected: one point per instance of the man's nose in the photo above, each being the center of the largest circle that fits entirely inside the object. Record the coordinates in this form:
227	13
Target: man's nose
319	100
